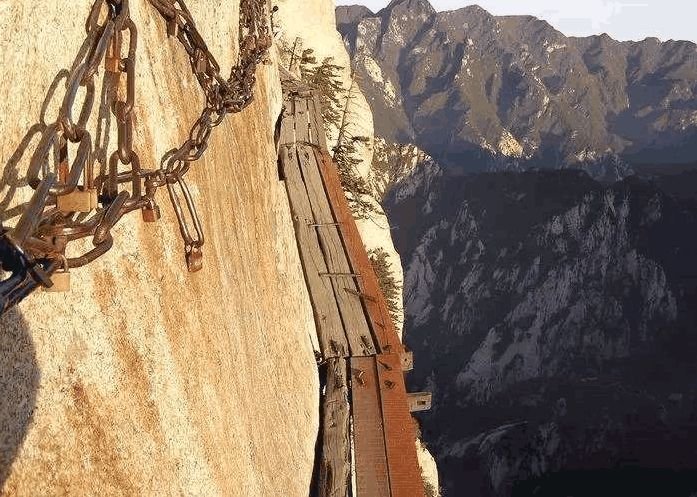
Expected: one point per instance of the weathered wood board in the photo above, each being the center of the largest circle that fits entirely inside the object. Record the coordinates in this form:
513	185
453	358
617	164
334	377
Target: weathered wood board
420	401
318	135
302	119
345	287
386	337
332	337
372	475
335	463
400	429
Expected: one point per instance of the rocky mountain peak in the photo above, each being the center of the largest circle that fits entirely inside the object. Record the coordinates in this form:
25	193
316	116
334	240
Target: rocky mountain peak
411	8
469	11
351	14
481	92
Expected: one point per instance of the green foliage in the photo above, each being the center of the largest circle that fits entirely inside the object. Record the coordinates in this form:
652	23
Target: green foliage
388	284
292	55
324	77
334	99
356	187
287	53
307	60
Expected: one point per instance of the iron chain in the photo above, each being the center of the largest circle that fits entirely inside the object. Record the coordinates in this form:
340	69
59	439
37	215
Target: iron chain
75	199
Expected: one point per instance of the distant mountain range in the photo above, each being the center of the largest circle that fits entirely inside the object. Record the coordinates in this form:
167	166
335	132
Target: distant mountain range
554	320
552	312
481	92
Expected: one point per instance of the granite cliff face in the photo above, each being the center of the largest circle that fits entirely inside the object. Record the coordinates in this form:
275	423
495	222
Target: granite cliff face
146	380
480	92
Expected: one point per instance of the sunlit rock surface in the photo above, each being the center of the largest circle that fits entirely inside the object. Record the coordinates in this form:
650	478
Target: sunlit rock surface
146	380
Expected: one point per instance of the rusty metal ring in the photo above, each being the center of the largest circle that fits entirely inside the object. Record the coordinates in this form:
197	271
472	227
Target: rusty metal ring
98	52
65	116
40	158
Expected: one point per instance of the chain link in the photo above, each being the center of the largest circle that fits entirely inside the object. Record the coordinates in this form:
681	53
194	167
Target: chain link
223	96
65	205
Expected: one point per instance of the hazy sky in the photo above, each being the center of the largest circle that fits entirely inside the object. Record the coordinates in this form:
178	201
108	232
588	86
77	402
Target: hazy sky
622	19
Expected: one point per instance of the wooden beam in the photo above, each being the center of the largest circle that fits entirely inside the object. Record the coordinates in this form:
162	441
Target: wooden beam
407	361
317	133
372	474
335	462
400	429
385	334
302	119
286	133
420	401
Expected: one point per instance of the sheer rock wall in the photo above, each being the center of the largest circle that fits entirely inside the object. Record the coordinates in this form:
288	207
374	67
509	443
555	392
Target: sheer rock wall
145	379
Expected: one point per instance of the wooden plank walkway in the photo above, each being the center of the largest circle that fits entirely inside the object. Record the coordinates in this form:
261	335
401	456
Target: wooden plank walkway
343	320
372	476
335	466
385	333
332	337
367	428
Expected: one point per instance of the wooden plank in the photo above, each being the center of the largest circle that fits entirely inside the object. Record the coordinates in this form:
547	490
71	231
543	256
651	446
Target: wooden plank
420	401
317	133
286	133
372	474
407	361
330	329
335	463
302	119
400	429
352	313
386	337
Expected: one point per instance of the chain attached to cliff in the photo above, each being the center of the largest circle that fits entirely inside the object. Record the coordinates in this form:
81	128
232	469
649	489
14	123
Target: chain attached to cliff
65	206
222	97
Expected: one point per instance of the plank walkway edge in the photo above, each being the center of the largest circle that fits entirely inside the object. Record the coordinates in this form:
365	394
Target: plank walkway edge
368	435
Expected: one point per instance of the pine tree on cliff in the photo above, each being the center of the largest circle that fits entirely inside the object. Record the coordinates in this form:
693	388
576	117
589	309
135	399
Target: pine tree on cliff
388	284
335	101
325	78
347	158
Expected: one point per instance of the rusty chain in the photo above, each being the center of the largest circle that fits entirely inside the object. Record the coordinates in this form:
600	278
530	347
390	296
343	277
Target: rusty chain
223	96
88	195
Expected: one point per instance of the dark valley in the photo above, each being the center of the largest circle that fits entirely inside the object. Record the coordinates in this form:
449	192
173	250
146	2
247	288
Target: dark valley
542	190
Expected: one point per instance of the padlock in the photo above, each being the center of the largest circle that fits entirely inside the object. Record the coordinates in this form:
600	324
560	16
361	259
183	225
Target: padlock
81	200
194	259
60	279
151	213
